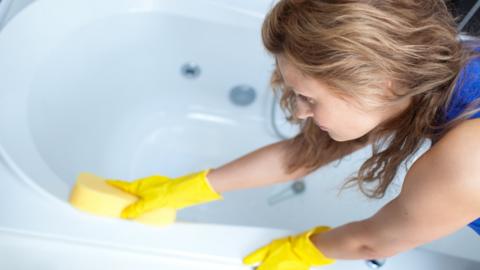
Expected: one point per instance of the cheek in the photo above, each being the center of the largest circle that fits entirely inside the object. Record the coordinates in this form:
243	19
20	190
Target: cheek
323	117
358	125
331	115
345	122
342	117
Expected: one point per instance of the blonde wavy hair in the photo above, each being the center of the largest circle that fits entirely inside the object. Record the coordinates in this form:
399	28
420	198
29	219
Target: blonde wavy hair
352	45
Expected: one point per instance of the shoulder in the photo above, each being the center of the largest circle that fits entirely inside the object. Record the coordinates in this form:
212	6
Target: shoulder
440	193
461	145
451	167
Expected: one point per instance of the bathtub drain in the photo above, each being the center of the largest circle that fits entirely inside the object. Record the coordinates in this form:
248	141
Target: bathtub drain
242	95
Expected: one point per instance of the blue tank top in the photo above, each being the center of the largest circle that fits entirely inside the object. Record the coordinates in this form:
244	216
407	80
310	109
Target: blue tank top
463	95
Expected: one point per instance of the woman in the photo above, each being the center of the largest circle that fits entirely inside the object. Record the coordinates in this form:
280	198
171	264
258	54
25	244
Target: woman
390	73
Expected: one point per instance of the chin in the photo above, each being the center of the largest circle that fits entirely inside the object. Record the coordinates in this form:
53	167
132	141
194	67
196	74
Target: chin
334	137
338	139
343	139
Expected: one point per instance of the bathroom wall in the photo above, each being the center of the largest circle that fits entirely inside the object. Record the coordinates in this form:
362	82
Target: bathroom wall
460	8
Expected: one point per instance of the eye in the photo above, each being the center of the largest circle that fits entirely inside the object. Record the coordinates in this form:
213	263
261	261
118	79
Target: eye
304	98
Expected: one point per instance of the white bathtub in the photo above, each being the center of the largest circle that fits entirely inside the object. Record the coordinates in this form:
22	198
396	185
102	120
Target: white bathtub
96	86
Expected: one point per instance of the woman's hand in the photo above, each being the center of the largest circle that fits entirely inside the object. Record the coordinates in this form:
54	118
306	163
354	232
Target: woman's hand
288	253
164	192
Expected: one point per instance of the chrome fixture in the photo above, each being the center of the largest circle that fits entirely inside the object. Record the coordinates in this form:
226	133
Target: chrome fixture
375	264
242	95
190	70
296	188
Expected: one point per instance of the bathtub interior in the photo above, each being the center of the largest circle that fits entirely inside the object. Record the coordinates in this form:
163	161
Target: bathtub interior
111	99
104	93
126	112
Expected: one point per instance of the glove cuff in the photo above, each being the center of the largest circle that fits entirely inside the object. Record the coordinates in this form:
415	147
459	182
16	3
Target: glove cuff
308	250
196	189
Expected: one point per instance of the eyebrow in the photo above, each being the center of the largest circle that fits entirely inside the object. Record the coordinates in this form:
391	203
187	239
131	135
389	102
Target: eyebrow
296	92
284	81
300	94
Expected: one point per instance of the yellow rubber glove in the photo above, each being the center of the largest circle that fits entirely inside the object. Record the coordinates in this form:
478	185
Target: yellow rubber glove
161	191
290	253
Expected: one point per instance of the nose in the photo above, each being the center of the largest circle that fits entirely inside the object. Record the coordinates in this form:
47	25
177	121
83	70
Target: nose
303	112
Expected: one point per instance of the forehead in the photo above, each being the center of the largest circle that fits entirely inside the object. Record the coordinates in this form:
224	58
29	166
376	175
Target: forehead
293	77
290	75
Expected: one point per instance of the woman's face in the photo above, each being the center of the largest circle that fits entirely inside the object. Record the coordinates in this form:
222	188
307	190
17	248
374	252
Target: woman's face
343	120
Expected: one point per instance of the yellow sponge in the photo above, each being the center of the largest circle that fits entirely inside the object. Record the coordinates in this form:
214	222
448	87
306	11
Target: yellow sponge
92	194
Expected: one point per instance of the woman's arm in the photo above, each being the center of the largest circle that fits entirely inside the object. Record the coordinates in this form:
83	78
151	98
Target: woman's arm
261	167
440	195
